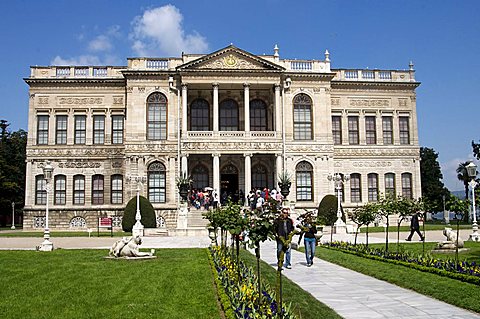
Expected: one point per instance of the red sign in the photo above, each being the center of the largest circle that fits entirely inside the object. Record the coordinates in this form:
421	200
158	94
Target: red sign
105	222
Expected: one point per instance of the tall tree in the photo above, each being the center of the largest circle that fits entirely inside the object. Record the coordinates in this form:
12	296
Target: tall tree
463	177
433	189
12	170
476	149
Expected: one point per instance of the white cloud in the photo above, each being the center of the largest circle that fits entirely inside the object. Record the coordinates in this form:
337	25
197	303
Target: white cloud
159	32
450	174
79	60
100	43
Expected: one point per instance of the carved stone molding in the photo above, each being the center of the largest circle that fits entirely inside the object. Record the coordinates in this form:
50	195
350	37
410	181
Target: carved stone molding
309	148
52	152
369	102
335	101
80	100
118	100
372	164
43	100
376	152
228	146
76	164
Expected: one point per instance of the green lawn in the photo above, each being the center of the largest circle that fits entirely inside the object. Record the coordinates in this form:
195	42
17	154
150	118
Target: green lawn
452	291
304	305
82	284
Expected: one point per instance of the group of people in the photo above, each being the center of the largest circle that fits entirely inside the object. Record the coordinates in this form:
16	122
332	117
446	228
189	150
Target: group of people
203	198
284	228
258	197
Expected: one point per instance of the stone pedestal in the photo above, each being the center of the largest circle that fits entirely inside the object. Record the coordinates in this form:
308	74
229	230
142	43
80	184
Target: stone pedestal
182	216
475	236
46	245
138	229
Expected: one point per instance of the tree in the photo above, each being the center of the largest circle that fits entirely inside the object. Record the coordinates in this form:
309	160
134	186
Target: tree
327	212
146	209
364	215
476	150
12	170
433	189
462	175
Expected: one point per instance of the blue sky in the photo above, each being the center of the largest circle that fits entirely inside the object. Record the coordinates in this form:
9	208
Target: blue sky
442	38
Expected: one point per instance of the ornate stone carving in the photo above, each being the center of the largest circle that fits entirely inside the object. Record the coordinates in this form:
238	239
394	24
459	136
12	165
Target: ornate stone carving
376	152
129	89
75	152
230	61
141	89
369	102
43	100
73	164
117	164
80	100
118	100
372	164
335	101
208	146
402	102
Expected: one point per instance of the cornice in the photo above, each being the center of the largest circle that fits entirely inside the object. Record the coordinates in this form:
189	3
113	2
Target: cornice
374	85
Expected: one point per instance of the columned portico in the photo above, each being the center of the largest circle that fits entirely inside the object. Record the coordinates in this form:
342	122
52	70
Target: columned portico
185	165
248	172
279	168
278	111
184	109
216	172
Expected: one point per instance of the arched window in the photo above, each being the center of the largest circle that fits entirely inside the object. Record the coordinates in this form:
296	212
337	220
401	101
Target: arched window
199	115
389	184
156	116
302	117
228	115
258	115
407	185
78	222
355	188
116	189
78	189
372	187
97	189
40	190
156	183
60	190
200	177
304	180
259	177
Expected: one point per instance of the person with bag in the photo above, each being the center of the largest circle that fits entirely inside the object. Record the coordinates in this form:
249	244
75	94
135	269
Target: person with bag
309	231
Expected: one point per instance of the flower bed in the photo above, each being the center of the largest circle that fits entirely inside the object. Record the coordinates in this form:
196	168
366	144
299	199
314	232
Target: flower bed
464	271
236	285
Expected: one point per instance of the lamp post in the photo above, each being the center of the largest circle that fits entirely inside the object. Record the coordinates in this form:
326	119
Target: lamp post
472	173
339	180
13	216
47	245
138	228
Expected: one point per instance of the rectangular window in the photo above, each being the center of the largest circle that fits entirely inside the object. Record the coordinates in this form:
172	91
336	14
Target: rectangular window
302	122
98	129
353	130
304	186
42	130
355	188
157	122
387	130
157	187
117	189
79	189
117	129
80	129
370	130
61	129
337	130
407	185
40	190
60	190
97	189
390	184
372	187
403	122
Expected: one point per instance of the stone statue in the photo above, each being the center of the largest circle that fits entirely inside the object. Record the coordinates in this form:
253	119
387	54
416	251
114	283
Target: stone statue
451	241
128	247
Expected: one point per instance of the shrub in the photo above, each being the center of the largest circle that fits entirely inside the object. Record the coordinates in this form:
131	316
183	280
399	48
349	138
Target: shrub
146	209
327	210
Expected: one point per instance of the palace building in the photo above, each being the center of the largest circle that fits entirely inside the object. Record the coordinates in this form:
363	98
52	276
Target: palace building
230	119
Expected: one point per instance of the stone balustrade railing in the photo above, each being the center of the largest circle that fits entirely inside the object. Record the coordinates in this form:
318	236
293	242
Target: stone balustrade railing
231	134
374	75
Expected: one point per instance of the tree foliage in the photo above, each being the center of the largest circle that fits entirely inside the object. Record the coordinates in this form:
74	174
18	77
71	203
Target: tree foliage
146	209
433	189
327	210
476	150
462	176
12	170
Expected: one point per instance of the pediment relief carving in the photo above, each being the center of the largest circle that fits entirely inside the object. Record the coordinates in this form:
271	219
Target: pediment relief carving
231	61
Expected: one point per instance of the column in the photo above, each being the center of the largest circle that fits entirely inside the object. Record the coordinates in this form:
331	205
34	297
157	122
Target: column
246	103
215	107
345	127
278	110
216	172
361	128
379	127
184	168
184	109
248	172
278	168
173	188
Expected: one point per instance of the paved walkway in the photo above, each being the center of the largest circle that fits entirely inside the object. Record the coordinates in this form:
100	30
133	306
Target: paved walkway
350	294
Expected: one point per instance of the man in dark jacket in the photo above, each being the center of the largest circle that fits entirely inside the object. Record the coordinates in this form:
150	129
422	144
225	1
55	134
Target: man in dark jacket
414	227
283	227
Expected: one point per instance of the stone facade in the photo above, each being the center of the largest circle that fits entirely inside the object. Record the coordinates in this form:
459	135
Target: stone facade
230	119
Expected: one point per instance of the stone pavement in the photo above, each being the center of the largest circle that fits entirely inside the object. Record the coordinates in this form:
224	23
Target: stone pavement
350	294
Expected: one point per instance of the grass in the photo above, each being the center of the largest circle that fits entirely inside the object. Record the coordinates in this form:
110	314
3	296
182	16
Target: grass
463	295
304	305
393	228
39	234
82	284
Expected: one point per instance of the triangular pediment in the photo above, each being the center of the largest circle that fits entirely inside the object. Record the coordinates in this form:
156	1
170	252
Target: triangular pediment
230	58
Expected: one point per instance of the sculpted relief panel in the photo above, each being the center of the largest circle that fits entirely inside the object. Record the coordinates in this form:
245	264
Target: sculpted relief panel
369	102
80	100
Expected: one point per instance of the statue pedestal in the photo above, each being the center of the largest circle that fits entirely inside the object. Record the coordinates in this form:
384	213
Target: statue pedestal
475	236
138	229
46	245
182	216
340	227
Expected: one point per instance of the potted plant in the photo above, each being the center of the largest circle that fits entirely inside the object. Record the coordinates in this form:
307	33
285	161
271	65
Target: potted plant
284	182
183	185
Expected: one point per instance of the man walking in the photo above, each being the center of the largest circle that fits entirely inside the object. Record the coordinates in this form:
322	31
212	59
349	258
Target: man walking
415	227
283	227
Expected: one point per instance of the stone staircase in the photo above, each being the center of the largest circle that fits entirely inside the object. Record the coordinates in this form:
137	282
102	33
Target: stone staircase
195	218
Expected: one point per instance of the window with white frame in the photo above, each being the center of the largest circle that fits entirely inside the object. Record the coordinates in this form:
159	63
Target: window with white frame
98	129
353	138
116	189
60	190
157	116
372	187
304	181
390	184
78	189
302	117
407	185
387	127
355	188
117	129
40	190
42	129
97	189
370	130
80	129
404	126
157	183
61	129
337	129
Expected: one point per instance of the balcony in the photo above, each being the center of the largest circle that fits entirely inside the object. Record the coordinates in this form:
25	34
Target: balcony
374	75
195	135
70	72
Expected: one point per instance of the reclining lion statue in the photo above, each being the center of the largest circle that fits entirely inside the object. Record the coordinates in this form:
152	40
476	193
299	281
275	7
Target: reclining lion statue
128	247
451	242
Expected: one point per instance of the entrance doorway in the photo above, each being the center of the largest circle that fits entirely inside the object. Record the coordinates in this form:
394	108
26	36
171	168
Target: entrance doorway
229	184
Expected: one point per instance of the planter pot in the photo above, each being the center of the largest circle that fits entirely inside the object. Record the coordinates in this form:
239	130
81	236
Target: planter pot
284	189
183	191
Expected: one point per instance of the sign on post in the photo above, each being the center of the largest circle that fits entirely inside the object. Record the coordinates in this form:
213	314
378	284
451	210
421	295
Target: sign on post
105	222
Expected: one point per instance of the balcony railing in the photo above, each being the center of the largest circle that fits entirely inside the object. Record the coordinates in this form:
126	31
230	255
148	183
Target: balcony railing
61	72
157	64
231	134
301	65
97	72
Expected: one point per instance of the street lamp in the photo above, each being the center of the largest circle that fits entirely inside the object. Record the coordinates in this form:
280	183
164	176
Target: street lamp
47	245
472	173
138	228
339	180
13	216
